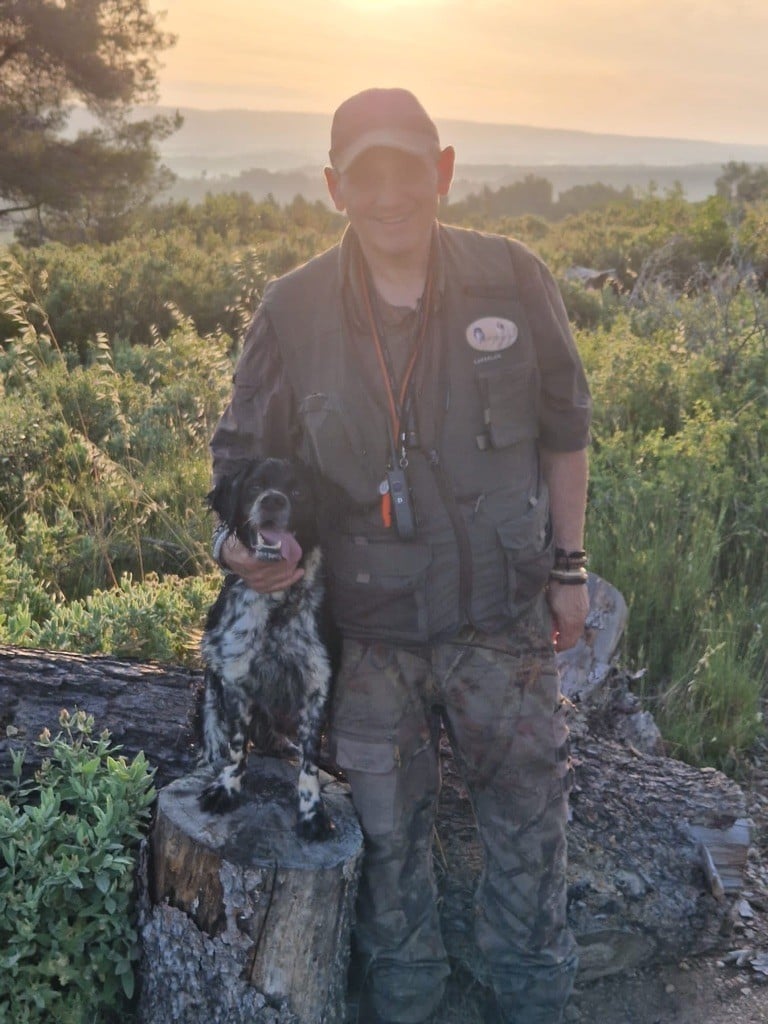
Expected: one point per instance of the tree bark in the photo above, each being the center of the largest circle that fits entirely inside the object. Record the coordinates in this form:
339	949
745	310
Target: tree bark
144	706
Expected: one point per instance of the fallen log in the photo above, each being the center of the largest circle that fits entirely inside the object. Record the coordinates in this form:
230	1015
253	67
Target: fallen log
644	827
144	706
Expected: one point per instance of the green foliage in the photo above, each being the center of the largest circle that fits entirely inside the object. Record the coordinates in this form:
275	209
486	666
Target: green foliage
677	504
23	597
107	463
68	942
103	441
151	619
131	289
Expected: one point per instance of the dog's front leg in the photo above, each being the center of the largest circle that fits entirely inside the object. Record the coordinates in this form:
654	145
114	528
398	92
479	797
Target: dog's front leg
224	792
313	821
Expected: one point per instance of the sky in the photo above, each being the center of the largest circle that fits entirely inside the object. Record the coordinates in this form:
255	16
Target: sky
692	69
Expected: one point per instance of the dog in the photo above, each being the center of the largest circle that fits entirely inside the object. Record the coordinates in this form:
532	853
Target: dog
269	659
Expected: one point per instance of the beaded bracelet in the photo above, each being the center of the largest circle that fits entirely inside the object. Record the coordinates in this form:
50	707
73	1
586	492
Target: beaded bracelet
570	560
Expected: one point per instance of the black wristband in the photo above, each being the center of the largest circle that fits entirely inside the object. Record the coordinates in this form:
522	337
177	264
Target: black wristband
570	577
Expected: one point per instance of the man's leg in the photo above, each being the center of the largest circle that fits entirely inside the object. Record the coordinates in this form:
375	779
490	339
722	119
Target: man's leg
506	722
381	737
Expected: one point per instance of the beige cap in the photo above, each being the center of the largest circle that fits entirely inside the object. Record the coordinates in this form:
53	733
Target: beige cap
381	117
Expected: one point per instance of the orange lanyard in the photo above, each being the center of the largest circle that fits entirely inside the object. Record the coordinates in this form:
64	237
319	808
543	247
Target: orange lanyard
395	406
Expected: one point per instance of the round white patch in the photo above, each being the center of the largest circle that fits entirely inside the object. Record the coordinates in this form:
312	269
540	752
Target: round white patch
491	334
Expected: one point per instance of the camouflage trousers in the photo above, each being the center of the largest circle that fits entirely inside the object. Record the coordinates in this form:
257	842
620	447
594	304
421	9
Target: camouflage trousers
499	699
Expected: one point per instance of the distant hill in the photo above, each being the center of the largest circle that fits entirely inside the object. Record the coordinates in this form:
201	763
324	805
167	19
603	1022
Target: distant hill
285	151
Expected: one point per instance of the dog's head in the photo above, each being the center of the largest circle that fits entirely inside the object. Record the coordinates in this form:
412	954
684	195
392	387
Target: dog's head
265	501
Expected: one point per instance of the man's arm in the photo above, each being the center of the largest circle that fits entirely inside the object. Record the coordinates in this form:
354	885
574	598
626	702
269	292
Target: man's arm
259	422
566	474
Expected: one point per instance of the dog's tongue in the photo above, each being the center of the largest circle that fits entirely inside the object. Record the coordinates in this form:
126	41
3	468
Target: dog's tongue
289	546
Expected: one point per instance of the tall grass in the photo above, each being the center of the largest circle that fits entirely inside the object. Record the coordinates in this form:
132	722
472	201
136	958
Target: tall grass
677	507
105	468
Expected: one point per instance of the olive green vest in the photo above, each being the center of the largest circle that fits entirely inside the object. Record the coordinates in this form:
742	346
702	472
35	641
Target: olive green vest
482	551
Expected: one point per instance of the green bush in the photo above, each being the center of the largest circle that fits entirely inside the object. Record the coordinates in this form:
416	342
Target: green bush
68	941
151	619
23	598
128	289
678	490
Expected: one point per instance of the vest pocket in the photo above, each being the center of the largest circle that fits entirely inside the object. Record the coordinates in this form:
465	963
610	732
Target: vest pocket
509	404
378	591
336	447
528	548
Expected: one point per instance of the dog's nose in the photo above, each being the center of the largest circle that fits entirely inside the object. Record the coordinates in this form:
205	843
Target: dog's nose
273	502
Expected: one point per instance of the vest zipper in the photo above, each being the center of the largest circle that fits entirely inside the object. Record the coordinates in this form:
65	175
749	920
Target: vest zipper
460	532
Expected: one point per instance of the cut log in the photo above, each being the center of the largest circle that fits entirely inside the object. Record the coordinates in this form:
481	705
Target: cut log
248	923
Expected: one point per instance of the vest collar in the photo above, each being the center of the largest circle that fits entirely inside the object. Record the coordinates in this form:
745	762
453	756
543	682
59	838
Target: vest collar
348	255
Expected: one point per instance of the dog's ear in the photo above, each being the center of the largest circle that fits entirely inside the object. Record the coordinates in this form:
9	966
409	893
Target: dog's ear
219	500
226	497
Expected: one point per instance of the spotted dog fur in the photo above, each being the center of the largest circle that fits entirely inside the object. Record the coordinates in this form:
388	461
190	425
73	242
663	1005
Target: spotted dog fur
267	657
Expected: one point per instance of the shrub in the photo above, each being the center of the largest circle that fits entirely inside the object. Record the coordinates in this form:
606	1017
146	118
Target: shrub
151	619
68	943
23	598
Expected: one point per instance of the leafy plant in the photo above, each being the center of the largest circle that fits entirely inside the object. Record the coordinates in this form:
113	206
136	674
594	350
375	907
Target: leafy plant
151	619
68	838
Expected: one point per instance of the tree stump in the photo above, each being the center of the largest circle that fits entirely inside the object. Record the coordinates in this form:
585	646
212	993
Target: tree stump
245	921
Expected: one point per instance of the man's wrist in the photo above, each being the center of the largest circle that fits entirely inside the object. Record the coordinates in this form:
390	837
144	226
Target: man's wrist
570	567
221	535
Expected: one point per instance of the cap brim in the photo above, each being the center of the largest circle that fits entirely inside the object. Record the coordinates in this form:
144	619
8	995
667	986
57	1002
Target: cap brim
409	142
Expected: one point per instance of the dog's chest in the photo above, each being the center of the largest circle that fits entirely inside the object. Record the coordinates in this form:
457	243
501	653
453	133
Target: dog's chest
254	631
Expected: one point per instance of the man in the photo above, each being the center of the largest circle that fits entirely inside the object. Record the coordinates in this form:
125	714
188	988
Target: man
429	375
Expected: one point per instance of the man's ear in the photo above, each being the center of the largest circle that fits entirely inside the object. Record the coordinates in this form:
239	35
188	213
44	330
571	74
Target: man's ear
333	181
445	164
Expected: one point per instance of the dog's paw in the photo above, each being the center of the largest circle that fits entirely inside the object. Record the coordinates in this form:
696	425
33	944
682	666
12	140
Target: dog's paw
217	798
316	826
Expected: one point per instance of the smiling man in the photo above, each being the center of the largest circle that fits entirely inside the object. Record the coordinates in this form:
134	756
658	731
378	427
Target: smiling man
429	376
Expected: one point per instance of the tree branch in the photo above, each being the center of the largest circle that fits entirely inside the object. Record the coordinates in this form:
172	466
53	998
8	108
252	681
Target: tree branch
18	209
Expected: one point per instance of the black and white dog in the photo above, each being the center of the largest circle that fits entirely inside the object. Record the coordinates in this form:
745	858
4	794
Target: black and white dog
268	657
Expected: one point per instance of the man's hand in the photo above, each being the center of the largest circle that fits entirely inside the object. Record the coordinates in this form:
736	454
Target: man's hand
569	606
265	577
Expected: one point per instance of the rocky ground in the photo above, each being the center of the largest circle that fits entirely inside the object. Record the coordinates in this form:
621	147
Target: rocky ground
726	987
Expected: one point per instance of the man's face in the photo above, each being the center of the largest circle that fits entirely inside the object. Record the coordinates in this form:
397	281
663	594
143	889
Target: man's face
391	198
